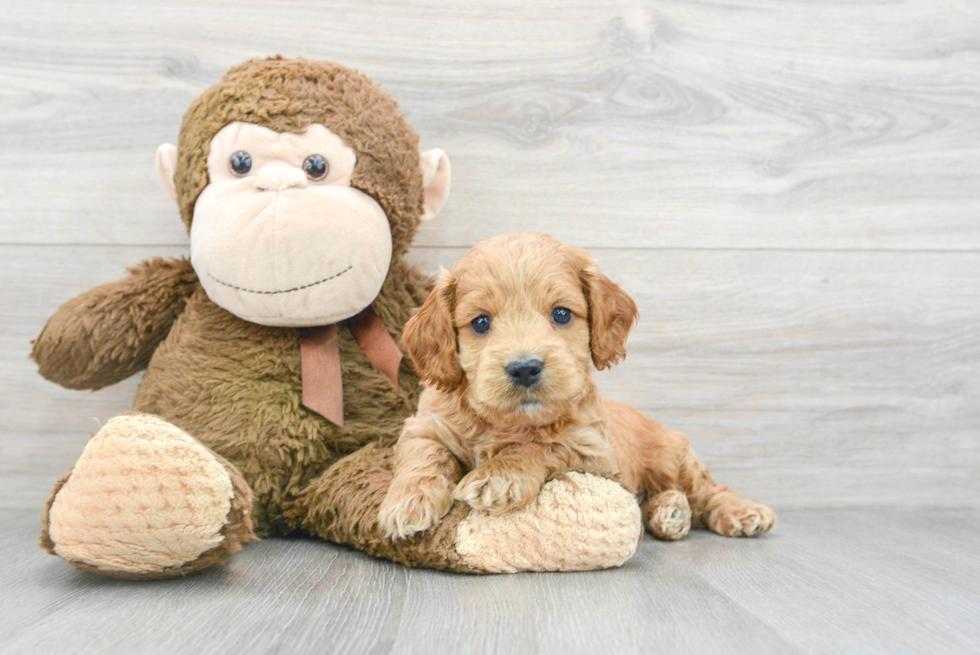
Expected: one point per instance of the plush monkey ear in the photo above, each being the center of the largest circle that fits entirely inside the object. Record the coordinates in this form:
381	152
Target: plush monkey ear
430	338
166	166
435	180
612	313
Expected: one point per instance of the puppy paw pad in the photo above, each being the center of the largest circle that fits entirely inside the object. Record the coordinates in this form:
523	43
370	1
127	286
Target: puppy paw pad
749	520
669	516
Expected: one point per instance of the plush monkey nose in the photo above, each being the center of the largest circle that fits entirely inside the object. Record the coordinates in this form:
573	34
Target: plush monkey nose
277	178
525	372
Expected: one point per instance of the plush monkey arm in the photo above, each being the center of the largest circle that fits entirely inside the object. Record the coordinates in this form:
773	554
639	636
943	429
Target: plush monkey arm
579	522
109	333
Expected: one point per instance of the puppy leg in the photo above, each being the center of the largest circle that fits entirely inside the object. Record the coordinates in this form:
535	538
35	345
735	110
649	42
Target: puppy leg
661	462
421	492
720	509
511	479
667	515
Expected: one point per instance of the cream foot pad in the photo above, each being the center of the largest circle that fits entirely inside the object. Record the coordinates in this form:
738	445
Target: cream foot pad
145	496
578	522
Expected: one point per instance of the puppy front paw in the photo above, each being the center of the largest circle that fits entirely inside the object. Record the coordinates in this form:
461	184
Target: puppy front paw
403	514
497	491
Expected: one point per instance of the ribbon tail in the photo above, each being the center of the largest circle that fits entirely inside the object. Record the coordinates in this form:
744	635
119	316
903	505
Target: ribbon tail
323	386
381	350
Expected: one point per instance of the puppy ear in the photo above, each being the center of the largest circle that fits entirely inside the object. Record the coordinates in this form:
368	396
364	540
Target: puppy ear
612	313
430	338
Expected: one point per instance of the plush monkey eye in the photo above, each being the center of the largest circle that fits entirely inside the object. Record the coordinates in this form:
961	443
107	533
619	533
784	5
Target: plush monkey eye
561	315
481	324
240	163
316	167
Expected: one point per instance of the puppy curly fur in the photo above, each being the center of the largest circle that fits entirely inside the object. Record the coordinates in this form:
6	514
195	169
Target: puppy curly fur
481	437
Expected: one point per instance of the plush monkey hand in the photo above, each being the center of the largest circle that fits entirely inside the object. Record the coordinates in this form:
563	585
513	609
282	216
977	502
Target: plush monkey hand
109	333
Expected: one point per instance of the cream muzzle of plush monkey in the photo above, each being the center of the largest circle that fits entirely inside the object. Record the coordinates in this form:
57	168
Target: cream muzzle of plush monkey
280	237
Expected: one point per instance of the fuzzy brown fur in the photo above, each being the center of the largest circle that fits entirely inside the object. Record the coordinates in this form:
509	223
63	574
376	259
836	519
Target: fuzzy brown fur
288	95
109	333
480	437
234	385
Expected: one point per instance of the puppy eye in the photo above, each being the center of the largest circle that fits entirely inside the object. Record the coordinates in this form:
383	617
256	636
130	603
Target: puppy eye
316	167
561	315
481	324
240	163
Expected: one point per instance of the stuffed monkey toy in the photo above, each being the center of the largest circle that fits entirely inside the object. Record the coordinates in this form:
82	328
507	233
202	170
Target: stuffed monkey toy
274	384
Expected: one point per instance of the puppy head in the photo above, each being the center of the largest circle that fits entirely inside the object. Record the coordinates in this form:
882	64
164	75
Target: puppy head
514	324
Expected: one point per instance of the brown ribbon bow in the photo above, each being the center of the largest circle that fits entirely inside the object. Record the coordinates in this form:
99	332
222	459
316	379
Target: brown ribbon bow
319	352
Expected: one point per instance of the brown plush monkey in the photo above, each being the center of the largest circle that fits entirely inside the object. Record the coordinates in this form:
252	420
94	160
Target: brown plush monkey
274	386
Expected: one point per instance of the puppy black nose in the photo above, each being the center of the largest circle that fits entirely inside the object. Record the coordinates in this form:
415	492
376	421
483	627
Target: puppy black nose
525	372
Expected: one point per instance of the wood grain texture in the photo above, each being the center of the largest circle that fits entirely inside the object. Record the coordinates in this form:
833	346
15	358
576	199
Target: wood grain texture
870	581
750	124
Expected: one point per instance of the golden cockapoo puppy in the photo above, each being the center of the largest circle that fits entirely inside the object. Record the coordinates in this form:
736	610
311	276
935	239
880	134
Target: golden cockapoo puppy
503	345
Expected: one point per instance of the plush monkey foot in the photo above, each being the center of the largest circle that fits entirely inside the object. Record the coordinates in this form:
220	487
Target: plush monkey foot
147	500
578	522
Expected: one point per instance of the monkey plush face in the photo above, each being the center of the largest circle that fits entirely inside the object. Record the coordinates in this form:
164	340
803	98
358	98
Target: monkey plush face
299	182
279	236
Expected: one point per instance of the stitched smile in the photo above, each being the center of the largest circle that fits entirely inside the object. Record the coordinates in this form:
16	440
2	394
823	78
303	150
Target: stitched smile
269	293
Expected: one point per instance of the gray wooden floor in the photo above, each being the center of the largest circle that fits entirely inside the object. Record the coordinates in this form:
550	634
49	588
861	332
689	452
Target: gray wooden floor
893	581
789	189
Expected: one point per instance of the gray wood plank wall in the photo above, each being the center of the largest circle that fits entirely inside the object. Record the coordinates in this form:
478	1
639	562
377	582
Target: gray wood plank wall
790	190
